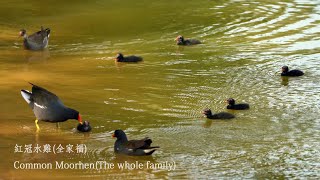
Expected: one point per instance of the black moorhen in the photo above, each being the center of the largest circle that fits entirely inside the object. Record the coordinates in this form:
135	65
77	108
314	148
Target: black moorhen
48	107
36	41
222	115
84	127
286	72
133	147
232	105
121	58
186	42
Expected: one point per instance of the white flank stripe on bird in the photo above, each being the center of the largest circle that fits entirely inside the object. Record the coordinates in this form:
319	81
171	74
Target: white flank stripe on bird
42	107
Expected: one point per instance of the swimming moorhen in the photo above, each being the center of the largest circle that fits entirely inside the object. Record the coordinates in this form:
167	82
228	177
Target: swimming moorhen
286	72
133	147
36	41
186	42
232	105
222	115
121	58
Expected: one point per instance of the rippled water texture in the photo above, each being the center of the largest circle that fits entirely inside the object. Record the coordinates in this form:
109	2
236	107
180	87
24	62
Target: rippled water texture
245	43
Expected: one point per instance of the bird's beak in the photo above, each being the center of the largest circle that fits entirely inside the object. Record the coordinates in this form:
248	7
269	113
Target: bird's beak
113	135
79	119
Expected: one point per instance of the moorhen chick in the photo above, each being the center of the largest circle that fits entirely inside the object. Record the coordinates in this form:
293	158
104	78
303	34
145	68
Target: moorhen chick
286	72
186	42
222	115
232	105
121	58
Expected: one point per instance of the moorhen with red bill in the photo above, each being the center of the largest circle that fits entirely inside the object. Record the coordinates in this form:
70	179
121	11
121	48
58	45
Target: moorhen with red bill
48	107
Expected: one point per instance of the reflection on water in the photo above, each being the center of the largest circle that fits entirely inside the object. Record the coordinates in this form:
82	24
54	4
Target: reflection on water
285	81
245	45
36	56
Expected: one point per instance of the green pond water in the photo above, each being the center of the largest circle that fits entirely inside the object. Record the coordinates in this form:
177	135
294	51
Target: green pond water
245	44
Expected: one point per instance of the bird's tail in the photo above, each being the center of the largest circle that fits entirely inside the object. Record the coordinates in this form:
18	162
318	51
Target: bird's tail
151	150
26	95
48	32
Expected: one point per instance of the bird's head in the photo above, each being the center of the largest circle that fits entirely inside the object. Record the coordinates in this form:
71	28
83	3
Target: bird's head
84	127
119	57
179	39
285	69
119	134
22	32
207	112
231	101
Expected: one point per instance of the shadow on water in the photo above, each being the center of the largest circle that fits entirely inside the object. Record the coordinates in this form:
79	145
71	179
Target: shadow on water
284	81
37	56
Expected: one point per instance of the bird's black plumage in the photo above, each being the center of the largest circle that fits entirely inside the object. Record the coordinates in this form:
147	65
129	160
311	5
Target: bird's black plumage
121	58
222	115
37	41
286	72
47	106
84	127
186	42
232	105
133	147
